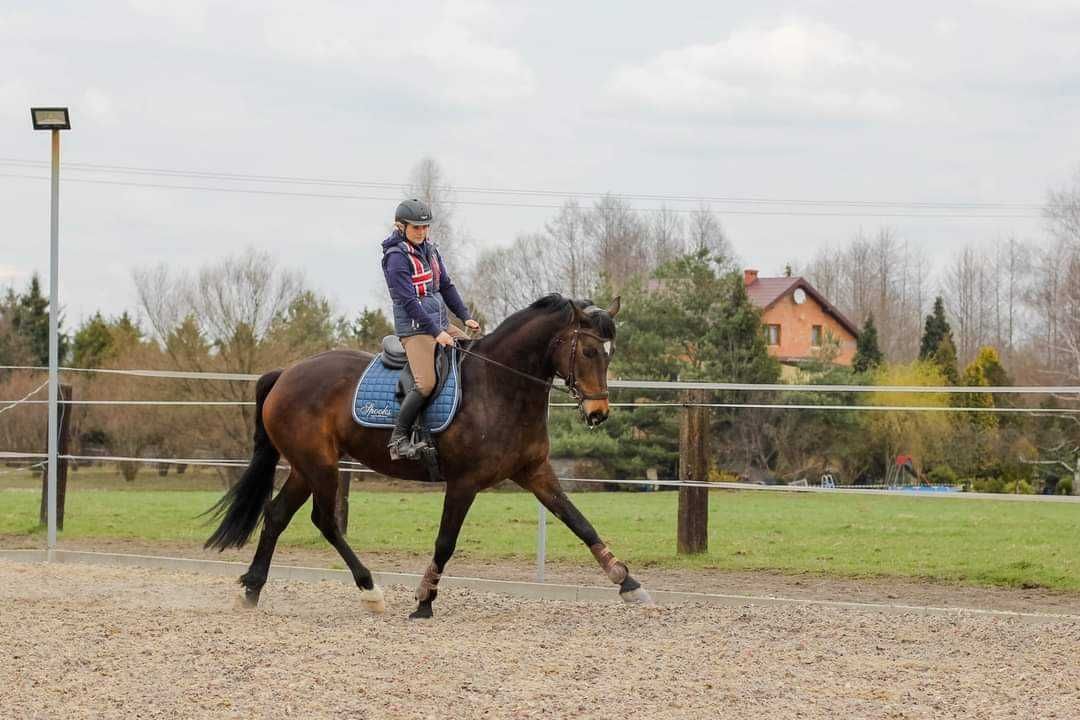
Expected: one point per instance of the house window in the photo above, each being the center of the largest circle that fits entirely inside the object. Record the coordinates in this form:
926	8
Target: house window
815	336
773	332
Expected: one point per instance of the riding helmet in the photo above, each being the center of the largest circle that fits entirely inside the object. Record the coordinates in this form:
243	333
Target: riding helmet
413	212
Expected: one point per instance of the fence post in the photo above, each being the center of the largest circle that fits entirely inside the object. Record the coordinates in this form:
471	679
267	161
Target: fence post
341	507
541	542
1076	475
62	445
693	532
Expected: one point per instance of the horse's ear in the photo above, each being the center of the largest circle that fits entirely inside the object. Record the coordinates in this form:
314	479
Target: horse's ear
615	305
579	314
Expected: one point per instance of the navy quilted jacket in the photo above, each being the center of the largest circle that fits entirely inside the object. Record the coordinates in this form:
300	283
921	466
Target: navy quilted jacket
420	291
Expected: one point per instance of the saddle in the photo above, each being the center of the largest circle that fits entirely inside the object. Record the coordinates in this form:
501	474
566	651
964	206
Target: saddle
393	357
388	378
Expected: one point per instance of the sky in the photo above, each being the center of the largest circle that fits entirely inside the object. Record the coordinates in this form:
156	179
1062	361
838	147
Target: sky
788	115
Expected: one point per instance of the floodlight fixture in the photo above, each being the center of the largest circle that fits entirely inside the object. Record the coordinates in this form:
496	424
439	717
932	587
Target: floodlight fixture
50	118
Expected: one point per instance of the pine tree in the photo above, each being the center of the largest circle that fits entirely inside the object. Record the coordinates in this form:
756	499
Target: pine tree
92	343
31	321
945	358
867	353
370	328
937	327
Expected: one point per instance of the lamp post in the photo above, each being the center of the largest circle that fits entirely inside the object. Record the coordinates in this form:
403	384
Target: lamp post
53	119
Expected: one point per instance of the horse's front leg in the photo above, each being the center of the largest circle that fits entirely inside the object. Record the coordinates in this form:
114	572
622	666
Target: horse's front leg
456	506
542	482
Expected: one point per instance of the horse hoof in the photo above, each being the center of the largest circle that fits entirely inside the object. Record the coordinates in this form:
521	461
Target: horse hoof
637	596
247	601
423	612
373	601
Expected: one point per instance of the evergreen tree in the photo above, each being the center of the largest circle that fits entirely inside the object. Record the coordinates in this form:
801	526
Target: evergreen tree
31	321
14	349
945	358
188	345
99	341
306	326
937	327
692	322
867	353
975	376
369	329
92	343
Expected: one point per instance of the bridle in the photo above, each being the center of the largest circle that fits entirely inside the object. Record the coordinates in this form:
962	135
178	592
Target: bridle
570	379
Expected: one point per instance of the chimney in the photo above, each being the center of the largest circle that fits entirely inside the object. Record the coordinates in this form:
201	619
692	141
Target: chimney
749	277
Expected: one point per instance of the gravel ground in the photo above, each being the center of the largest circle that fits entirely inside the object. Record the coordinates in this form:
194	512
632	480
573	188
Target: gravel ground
806	586
84	641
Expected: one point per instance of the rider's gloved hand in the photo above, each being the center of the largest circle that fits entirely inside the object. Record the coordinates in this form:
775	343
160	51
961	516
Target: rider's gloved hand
444	339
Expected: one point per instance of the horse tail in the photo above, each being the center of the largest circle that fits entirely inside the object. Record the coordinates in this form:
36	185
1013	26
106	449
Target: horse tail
242	506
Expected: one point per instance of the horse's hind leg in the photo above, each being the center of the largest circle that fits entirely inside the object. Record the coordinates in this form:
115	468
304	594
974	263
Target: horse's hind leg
324	481
276	517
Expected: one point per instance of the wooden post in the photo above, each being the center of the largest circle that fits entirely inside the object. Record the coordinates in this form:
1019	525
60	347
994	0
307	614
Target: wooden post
693	533
341	509
62	446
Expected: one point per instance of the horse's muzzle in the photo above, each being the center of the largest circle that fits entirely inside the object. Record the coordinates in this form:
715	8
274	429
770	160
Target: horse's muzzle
595	412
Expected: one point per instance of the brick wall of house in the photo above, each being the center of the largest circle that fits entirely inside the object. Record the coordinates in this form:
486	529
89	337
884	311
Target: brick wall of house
796	322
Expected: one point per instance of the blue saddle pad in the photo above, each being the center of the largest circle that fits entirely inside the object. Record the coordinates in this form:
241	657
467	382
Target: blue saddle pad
375	403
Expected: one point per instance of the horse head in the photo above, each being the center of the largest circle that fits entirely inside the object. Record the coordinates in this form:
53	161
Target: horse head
584	351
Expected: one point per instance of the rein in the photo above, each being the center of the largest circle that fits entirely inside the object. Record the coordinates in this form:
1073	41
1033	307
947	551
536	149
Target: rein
571	388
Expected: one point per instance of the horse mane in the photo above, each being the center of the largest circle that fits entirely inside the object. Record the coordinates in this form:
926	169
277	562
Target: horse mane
554	303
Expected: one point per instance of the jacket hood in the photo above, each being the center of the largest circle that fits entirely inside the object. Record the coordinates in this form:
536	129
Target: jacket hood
393	240
397	238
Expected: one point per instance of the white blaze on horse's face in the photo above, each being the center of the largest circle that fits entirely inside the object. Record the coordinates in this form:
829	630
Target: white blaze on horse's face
595	410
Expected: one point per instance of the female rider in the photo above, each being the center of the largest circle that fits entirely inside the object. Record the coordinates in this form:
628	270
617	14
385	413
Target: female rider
421	291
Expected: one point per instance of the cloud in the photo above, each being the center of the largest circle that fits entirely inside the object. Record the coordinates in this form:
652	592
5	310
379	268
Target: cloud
188	15
798	67
10	273
435	51
97	104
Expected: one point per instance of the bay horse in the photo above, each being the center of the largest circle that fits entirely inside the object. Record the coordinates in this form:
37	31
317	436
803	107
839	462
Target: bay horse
303	414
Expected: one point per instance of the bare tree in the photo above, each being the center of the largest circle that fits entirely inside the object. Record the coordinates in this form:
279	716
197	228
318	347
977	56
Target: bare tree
1061	298
666	236
969	301
568	250
882	275
507	279
221	318
617	237
705	232
428	181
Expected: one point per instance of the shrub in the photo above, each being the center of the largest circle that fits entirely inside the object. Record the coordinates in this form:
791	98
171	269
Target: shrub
942	475
986	485
1064	485
1018	487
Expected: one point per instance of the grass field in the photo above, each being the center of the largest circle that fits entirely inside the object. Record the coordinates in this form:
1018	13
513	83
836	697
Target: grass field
977	542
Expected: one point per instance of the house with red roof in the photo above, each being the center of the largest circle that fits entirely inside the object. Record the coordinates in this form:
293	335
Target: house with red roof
799	320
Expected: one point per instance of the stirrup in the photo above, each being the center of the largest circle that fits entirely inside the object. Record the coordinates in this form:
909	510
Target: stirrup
406	448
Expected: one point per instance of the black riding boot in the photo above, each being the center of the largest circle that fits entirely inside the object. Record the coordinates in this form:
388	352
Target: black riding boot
401	444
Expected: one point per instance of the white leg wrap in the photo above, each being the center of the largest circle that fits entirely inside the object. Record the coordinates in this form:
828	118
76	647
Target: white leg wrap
373	600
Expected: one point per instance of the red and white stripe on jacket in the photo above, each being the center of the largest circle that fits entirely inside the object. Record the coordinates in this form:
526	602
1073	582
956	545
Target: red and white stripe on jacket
422	277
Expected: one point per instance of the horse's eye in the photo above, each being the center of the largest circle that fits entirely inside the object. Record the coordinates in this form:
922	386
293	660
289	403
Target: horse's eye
590	353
